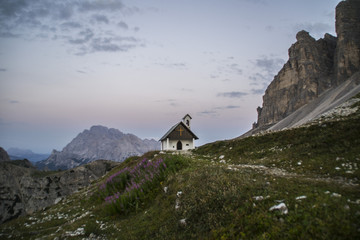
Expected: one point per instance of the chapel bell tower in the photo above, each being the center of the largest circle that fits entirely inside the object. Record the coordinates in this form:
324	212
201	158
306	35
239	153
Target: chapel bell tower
187	120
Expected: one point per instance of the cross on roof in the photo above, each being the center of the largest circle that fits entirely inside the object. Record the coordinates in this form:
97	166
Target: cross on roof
180	130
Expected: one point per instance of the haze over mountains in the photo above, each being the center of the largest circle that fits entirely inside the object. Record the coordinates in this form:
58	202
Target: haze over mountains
98	142
17	153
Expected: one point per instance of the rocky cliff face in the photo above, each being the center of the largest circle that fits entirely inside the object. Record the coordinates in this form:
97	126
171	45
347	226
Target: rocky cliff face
347	58
98	143
4	155
23	190
314	66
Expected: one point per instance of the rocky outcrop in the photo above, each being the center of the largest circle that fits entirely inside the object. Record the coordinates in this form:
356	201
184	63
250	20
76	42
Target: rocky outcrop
24	190
4	155
98	143
314	66
305	75
347	56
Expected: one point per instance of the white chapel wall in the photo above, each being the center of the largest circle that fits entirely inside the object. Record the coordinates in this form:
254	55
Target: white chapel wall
186	145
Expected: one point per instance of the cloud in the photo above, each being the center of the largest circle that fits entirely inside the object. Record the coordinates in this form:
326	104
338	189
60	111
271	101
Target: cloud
227	107
83	37
265	69
10	8
68	25
261	81
235	67
179	64
232	94
121	44
123	25
100	18
171	102
209	113
269	65
3	69
99	46
214	111
88	44
269	28
166	63
226	69
71	22
107	5
226	80
258	91
10	101
231	107
64	11
9	35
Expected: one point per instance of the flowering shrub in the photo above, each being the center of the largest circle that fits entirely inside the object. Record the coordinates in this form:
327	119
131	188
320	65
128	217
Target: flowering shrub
126	189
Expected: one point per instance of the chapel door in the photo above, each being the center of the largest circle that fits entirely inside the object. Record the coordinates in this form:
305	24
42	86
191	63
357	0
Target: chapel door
179	145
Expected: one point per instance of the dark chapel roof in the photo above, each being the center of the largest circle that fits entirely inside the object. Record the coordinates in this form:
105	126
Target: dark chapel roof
175	126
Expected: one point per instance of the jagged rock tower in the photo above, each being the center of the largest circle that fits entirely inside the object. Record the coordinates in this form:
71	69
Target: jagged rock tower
314	66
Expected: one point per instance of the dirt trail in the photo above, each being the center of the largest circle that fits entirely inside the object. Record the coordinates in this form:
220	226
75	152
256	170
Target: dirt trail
283	173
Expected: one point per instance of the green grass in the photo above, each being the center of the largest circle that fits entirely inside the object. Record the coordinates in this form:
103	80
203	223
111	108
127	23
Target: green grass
330	149
227	189
216	203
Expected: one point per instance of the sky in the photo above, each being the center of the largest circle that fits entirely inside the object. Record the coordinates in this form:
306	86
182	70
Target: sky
140	65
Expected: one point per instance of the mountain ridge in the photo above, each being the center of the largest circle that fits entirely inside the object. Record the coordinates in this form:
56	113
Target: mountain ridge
98	142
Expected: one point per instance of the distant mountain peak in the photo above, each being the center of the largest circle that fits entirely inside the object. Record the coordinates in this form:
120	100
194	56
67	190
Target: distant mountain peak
100	128
16	151
99	142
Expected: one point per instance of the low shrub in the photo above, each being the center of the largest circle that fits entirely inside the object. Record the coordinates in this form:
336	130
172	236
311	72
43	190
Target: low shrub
128	189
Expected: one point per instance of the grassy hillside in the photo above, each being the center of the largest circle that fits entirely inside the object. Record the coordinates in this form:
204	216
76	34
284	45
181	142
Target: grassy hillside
295	184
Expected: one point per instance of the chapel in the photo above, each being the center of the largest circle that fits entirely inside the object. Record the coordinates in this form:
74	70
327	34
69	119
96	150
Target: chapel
179	137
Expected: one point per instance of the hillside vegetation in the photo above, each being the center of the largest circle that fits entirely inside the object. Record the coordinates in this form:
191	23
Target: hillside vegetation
299	183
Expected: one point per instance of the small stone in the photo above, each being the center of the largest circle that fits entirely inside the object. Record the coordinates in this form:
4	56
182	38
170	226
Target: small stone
335	195
183	221
300	197
258	198
281	207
